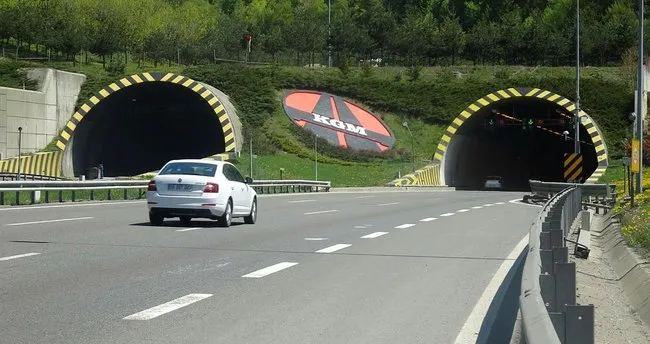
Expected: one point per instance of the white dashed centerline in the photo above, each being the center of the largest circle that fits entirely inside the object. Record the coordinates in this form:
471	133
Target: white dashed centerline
406	225
321	212
374	235
333	248
478	207
173	305
500	203
429	219
303	201
488	205
269	270
315	239
188	229
385	204
48	221
462	211
360	197
19	256
447	214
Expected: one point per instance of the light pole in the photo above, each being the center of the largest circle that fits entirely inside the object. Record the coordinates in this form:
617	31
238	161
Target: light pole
20	136
250	148
639	101
406	125
316	156
576	138
329	33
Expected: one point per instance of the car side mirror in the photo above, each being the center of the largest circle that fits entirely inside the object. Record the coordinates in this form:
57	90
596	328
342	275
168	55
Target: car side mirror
249	180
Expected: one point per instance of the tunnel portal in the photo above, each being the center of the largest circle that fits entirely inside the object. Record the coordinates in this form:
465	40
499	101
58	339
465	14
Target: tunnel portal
517	139
138	123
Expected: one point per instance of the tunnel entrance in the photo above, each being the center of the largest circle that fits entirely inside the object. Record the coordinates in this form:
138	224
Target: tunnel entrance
516	139
139	128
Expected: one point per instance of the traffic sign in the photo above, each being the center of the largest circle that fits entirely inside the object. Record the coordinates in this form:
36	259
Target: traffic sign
635	168
573	167
626	161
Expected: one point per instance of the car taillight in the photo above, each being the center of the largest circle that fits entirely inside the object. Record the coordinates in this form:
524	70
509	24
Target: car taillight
211	187
152	186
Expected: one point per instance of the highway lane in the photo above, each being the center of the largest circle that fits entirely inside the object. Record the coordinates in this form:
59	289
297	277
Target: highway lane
415	283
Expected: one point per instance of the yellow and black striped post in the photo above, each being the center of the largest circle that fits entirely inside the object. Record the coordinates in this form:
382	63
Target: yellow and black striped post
573	167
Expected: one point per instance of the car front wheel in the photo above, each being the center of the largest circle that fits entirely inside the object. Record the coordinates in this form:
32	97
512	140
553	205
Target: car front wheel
252	217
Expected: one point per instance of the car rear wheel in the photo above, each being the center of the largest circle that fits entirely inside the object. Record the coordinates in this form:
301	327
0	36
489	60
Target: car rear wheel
156	219
252	217
185	220
226	218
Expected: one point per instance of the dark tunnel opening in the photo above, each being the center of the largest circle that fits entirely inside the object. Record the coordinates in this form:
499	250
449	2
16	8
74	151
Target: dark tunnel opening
499	140
139	128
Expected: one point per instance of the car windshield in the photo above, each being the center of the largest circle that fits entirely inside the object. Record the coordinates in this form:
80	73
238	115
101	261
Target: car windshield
190	168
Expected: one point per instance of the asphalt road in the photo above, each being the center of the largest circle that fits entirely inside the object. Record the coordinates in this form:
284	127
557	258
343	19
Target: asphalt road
99	273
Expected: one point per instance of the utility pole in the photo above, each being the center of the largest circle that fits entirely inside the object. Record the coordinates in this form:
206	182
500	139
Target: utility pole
20	134
576	136
329	33
406	125
250	148
316	155
640	88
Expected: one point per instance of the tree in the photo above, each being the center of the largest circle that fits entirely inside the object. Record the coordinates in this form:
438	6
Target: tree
308	32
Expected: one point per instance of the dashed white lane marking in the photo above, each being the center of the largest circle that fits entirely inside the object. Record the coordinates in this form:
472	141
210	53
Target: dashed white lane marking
303	201
333	248
374	235
360	197
447	214
30	207
173	305
477	207
406	225
518	201
315	239
500	203
321	212
188	229
385	204
49	221
462	211
469	332
429	219
488	205
19	256
269	270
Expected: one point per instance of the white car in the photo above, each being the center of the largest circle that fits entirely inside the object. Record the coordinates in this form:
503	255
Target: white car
190	188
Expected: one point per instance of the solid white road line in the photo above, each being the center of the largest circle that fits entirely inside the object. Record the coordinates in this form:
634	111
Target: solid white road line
173	305
315	239
374	235
98	203
477	207
321	212
269	270
447	214
385	204
19	256
188	229
469	332
48	221
360	197
406	225
333	248
429	219
303	201
462	211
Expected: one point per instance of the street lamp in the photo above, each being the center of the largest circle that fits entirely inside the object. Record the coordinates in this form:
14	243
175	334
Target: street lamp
406	125
329	33
20	134
639	100
316	156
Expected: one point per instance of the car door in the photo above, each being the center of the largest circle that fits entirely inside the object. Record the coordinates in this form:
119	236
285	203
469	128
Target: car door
238	188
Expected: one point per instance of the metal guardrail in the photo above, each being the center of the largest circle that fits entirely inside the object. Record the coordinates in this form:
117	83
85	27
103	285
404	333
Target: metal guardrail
604	192
105	189
5	176
547	302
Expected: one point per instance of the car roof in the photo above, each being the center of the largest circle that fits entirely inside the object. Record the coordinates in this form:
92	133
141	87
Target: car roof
212	162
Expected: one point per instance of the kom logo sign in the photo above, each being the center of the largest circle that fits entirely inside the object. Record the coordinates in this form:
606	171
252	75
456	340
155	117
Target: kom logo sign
337	120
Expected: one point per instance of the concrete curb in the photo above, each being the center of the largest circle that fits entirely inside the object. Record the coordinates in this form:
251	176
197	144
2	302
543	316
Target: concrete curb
394	189
631	269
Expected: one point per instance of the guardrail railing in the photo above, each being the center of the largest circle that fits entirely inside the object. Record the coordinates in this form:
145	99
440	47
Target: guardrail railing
5	176
601	192
18	192
547	302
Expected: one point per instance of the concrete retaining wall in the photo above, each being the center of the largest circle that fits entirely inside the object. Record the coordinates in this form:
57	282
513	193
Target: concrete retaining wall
41	114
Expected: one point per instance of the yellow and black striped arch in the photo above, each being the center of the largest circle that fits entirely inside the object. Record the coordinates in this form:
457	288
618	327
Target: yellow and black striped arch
41	164
207	95
589	124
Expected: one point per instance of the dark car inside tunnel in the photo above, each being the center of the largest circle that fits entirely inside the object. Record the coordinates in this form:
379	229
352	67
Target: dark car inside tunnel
139	128
516	139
